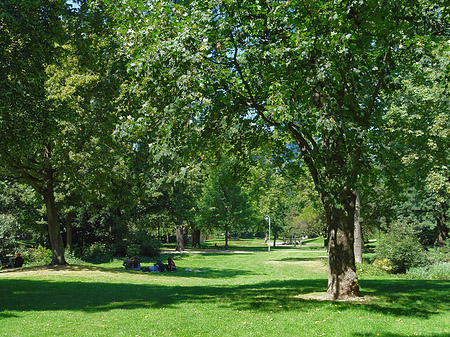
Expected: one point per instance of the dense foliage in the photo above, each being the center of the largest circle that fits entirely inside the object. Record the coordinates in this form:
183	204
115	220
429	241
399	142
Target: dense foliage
400	249
136	120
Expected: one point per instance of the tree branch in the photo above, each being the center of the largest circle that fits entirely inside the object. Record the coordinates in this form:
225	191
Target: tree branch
251	99
306	151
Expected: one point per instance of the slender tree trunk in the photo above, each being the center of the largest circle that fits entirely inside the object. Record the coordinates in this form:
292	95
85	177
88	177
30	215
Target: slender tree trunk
45	187
180	239
69	230
195	237
54	229
342	278
185	236
358	234
226	236
441	222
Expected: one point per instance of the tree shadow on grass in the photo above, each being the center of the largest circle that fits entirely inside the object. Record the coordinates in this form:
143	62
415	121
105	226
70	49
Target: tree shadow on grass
302	259
49	269
393	297
6	315
33	295
390	334
407	297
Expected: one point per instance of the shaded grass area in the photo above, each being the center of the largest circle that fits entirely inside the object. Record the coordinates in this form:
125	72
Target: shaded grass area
102	296
421	299
418	298
235	295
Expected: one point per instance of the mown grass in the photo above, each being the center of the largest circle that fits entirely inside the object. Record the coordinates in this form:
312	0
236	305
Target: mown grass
243	294
256	244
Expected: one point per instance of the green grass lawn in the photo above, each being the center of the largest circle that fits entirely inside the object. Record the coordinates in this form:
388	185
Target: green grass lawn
243	294
257	244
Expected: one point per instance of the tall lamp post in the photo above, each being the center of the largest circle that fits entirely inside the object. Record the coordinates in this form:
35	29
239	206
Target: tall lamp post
268	218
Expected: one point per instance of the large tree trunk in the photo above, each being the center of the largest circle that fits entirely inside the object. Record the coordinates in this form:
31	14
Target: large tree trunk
358	234
334	168
54	229
342	278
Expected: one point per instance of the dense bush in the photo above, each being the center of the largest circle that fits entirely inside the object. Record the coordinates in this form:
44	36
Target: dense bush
401	247
368	268
133	250
100	253
150	247
141	242
71	258
145	247
9	229
437	271
95	253
384	264
37	256
445	249
119	248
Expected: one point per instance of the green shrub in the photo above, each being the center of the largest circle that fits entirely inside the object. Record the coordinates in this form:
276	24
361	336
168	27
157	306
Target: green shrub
96	253
37	256
141	243
119	248
384	264
402	248
445	249
150	247
437	271
9	228
71	258
367	268
133	250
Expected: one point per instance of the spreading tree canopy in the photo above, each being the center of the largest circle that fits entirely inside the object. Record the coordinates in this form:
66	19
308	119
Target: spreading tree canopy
31	35
312	70
51	75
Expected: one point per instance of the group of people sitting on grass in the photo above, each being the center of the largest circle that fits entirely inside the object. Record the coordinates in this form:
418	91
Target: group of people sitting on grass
14	262
134	264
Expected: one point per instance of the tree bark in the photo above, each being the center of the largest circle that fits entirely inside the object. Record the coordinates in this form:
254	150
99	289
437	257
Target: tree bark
226	236
195	237
342	278
45	187
54	228
185	236
180	239
358	234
